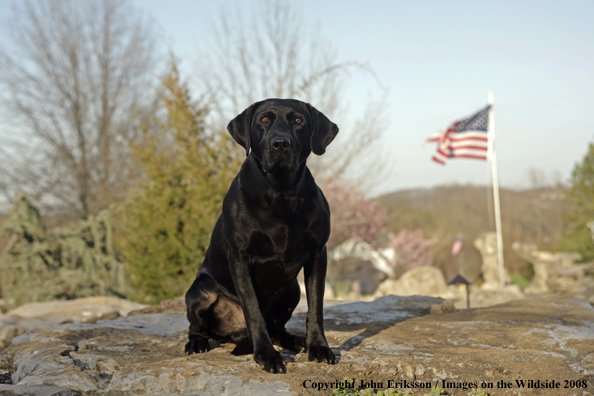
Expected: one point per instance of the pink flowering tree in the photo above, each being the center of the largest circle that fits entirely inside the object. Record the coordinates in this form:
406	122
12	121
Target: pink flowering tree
352	214
411	251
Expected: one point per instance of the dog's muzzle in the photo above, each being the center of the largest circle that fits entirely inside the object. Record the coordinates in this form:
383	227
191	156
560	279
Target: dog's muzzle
280	154
280	143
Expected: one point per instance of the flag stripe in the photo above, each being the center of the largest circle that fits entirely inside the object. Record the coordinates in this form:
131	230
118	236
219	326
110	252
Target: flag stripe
480	157
467	138
478	139
438	160
470	147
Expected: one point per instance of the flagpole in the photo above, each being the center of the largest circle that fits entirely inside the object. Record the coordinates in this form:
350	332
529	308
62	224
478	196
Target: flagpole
496	191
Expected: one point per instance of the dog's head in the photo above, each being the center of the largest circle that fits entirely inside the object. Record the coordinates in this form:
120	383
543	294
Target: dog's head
281	133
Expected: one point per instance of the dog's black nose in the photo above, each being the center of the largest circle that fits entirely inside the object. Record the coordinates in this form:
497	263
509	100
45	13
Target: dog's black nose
280	143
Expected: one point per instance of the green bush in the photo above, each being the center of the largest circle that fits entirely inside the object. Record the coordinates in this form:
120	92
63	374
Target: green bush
579	233
66	263
164	226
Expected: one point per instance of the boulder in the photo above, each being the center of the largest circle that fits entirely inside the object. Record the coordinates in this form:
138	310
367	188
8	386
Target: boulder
3	306
486	243
430	281
576	280
391	339
328	290
36	390
427	281
480	298
7	333
177	304
545	265
84	310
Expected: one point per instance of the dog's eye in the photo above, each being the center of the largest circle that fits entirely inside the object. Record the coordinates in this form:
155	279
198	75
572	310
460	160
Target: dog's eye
264	120
298	121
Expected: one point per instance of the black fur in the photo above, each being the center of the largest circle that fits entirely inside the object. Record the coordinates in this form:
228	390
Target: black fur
275	222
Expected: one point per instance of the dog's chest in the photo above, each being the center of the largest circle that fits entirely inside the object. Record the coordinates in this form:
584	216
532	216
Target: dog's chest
279	243
280	250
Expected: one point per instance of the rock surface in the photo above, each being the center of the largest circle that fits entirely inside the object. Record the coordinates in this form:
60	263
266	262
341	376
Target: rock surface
486	243
84	310
36	390
393	338
428	281
545	265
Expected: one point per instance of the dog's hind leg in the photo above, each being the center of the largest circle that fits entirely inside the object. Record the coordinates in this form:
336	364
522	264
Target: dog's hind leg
279	312
199	298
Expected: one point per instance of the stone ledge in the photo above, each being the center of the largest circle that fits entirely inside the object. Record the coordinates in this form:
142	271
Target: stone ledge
392	338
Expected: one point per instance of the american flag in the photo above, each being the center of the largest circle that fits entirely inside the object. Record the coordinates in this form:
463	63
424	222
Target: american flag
457	246
467	138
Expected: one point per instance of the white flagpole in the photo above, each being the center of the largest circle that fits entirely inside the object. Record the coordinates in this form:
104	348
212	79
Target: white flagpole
496	190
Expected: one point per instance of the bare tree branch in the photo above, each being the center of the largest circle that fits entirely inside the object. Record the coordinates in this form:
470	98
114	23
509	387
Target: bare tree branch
273	53
75	77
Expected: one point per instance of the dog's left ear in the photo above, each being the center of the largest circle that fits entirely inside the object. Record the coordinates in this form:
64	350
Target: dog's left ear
240	128
323	131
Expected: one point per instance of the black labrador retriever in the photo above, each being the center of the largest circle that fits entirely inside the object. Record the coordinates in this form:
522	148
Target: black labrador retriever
275	221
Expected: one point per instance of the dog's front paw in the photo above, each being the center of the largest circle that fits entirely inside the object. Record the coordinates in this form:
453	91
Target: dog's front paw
293	343
320	354
300	344
197	344
271	361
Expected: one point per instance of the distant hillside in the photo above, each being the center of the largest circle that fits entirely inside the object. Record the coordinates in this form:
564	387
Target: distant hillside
533	216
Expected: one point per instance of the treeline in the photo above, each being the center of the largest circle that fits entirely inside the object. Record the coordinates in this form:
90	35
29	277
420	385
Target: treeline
121	162
443	213
98	120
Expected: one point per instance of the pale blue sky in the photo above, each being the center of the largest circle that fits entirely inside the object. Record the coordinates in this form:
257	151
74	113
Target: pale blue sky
438	59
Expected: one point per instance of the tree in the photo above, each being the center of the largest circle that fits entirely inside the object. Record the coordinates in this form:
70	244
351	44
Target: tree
411	251
76	79
579	234
164	226
71	262
247	61
353	215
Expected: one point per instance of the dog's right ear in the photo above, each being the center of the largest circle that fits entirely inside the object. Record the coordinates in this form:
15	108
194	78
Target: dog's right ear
240	128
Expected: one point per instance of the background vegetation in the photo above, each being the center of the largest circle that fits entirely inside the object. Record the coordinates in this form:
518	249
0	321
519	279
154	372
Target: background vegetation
442	213
165	223
579	232
129	167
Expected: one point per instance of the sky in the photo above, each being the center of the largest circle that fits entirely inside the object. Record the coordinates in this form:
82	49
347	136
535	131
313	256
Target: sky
438	60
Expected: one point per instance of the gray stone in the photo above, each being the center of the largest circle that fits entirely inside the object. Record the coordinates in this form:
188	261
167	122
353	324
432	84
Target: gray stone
390	338
429	281
426	281
545	265
3	306
481	298
7	333
85	310
486	243
328	290
577	280
35	390
446	307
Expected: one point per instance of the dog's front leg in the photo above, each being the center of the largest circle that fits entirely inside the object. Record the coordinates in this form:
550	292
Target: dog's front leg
264	352
315	278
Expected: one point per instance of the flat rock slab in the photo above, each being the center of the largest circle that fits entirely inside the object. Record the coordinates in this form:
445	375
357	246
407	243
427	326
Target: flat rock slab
86	310
392	341
35	390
